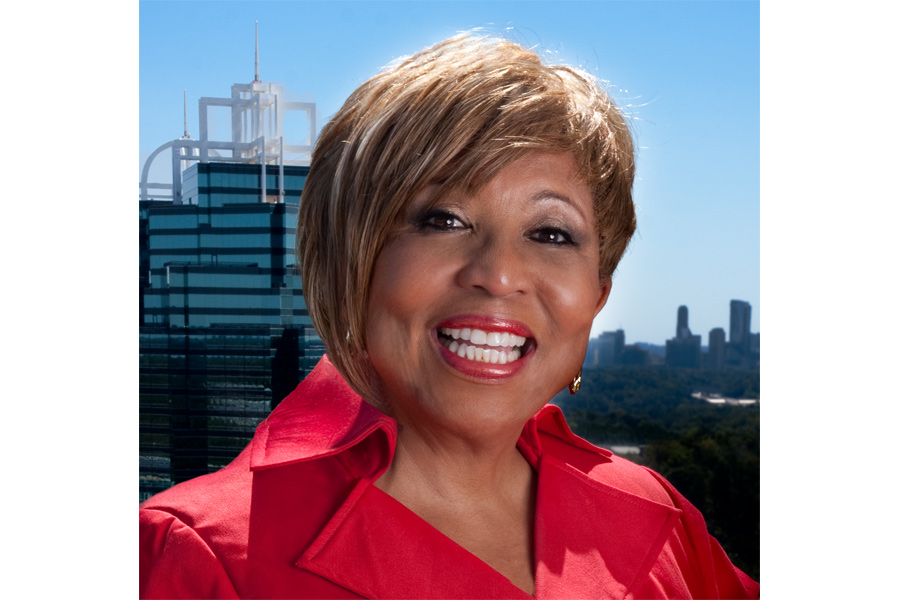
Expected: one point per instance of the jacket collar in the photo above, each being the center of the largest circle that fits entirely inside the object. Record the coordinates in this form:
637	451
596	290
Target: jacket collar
322	417
551	421
378	548
591	539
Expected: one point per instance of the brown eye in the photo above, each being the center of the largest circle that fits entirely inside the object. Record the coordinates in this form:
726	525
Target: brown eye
441	220
552	236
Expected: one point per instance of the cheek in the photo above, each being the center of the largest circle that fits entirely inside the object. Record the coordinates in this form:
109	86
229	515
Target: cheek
572	296
405	293
401	279
402	297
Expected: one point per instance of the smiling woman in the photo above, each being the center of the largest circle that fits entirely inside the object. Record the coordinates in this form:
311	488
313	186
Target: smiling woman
502	261
458	231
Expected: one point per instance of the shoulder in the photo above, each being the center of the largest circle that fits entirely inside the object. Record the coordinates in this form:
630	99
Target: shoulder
557	444
209	499
200	522
179	555
690	562
239	531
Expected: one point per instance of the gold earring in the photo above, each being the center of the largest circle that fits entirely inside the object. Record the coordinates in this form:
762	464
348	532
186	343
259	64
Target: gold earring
576	383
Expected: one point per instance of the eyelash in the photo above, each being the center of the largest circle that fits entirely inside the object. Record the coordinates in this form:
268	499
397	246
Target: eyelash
433	218
445	221
547	232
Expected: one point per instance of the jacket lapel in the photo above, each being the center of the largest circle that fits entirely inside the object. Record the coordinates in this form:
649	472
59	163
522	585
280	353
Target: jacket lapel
593	540
378	548
324	417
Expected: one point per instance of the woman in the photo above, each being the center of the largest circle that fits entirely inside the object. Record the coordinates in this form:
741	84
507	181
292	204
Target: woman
458	231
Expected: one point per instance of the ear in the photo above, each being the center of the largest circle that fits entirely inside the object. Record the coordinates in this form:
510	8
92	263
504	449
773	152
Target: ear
604	296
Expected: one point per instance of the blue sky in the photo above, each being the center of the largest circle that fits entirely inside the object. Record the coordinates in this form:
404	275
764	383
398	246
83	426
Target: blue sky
686	72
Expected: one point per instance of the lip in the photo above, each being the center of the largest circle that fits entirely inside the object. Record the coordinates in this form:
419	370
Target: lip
487	324
481	370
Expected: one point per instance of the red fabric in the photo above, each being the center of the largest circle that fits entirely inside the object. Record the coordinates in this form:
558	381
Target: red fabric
296	516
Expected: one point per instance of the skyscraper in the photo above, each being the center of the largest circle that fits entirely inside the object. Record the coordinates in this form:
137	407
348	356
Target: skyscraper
224	332
682	329
739	330
606	349
716	352
684	349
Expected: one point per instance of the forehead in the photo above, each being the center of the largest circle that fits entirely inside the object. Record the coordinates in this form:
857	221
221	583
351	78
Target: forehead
537	176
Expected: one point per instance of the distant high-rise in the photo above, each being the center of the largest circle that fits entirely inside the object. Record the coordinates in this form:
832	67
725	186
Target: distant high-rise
754	343
608	347
716	351
682	329
742	349
224	333
684	349
739	331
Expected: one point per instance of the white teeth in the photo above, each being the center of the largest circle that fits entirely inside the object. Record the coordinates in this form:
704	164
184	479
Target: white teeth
478	337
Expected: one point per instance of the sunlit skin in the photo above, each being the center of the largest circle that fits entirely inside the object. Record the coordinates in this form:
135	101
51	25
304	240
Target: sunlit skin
522	255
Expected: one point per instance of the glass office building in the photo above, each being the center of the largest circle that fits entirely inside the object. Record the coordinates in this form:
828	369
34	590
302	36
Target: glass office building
224	332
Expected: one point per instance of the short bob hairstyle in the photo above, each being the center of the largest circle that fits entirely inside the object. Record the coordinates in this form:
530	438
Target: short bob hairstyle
454	114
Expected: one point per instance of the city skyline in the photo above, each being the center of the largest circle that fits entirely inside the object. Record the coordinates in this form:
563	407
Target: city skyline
739	347
697	192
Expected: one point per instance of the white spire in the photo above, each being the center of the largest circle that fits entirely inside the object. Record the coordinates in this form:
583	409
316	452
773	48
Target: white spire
186	132
256	72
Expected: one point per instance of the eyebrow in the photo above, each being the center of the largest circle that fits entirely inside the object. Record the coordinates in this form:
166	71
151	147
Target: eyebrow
544	195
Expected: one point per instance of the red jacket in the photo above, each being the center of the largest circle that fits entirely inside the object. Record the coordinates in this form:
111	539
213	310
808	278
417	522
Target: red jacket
296	516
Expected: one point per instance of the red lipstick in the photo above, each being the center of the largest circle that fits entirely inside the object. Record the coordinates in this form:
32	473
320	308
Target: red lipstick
485	370
487	324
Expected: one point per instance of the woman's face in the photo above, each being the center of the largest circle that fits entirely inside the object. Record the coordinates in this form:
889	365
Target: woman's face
481	306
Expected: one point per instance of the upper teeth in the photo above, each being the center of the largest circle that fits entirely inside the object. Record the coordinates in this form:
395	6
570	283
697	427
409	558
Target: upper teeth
477	336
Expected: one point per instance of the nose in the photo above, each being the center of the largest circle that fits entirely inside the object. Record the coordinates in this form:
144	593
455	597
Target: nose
496	266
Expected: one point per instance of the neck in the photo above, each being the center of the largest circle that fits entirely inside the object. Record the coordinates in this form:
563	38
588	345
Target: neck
479	493
431	465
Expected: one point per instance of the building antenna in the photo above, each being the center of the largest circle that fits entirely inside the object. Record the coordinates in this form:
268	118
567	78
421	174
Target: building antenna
186	132
256	72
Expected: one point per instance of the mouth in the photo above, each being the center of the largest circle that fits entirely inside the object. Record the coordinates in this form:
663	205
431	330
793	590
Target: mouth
486	346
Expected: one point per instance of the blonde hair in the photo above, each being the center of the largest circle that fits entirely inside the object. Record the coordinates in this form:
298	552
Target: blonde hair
456	114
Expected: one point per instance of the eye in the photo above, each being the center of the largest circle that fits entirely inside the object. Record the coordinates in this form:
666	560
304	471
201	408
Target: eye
441	220
553	236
